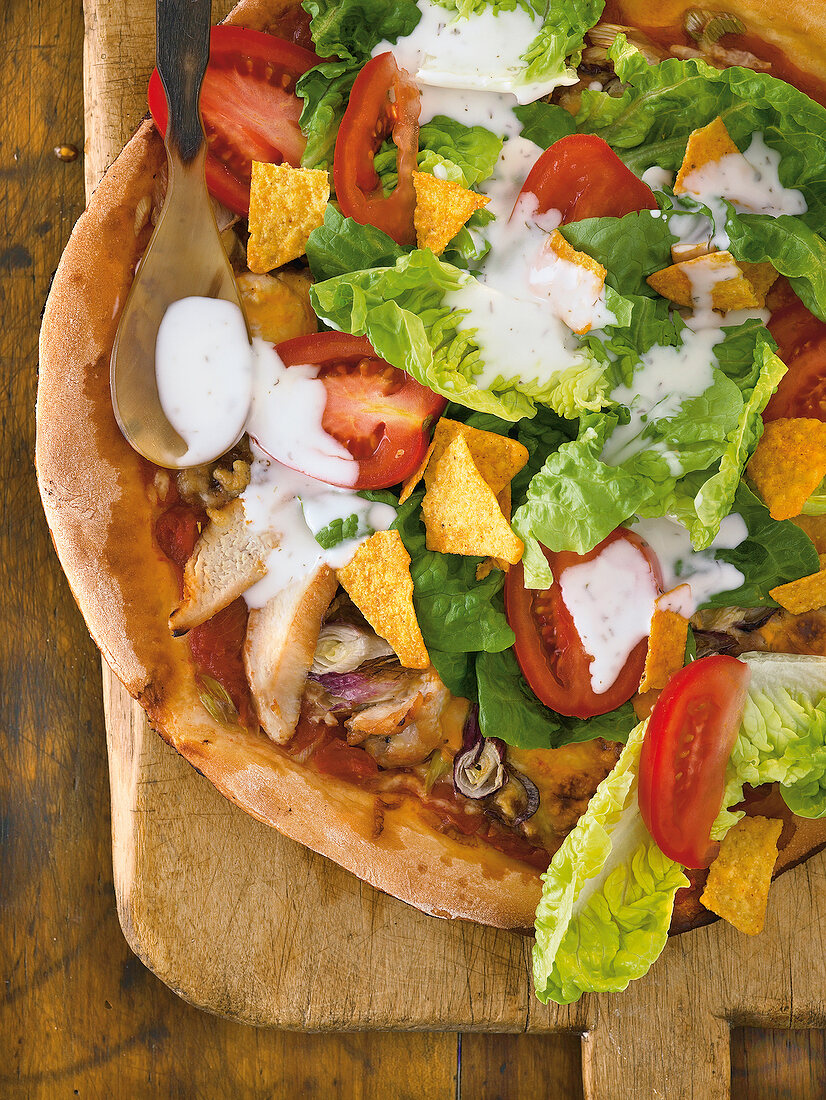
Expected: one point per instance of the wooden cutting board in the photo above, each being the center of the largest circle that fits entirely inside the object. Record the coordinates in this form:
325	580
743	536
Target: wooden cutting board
244	923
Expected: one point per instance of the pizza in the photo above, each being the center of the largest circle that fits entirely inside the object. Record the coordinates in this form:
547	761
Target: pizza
437	695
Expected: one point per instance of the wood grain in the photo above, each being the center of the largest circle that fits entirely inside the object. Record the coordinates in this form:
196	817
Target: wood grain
79	1015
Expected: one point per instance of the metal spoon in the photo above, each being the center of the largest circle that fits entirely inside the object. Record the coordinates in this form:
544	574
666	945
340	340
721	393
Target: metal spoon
185	256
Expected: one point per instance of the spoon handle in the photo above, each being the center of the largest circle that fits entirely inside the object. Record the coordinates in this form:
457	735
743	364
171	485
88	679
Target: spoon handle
182	54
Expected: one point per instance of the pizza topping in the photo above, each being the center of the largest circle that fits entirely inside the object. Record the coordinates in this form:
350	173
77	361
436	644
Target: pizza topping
343	647
226	561
286	205
479	769
278	652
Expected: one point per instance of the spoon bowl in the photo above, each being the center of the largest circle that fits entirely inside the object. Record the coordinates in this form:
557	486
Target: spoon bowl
185	256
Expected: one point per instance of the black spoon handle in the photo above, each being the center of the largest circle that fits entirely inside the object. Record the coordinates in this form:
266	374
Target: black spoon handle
182	54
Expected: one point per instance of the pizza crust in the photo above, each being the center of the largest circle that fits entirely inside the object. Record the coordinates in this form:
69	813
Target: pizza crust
94	491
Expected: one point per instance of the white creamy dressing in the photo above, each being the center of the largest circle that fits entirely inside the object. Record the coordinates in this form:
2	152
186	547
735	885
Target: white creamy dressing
285	419
681	564
611	600
478	54
574	292
750	181
296	506
204	401
281	408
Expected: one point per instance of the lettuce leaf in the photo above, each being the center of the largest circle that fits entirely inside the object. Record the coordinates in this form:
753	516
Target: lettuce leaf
790	246
607	896
466	154
544	123
782	738
342	245
326	92
775	551
401	309
687	465
631	247
650	122
349	29
509	709
560	39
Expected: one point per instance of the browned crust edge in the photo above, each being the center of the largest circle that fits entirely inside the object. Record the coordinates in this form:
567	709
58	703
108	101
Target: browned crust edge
93	489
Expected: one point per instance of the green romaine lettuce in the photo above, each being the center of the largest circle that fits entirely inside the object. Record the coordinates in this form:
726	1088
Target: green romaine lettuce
508	709
342	245
349	29
401	310
790	246
467	154
650	122
782	738
326	92
544	123
607	896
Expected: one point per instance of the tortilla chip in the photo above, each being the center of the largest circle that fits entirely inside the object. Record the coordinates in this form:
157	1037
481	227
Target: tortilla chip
738	291
461	512
666	638
709	144
416	476
788	464
565	252
442	208
737	888
497	457
378	582
286	205
815	528
485	567
806	594
681	251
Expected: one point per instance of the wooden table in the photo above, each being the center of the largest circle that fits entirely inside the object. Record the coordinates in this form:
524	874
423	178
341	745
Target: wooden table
80	1015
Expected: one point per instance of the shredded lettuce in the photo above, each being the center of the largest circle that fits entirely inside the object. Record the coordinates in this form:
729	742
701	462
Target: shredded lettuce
607	896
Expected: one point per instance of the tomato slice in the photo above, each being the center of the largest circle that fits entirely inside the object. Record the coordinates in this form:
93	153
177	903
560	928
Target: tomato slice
384	100
548	647
582	177
801	340
687	745
380	414
249	108
176	532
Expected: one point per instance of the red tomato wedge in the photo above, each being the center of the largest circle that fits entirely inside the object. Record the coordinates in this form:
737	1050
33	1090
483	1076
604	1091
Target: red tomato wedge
690	735
548	647
801	344
582	177
384	100
380	414
249	108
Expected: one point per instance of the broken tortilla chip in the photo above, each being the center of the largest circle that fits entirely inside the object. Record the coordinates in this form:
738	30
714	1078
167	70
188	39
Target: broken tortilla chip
666	639
498	458
416	476
737	888
805	594
442	208
788	464
286	205
589	286
485	567
705	146
730	284
378	582
461	512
